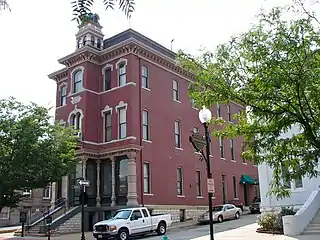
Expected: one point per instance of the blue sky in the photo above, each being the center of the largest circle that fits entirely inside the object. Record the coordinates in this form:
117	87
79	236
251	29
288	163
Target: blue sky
38	32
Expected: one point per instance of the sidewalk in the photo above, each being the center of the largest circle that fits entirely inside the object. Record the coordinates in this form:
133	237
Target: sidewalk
9	229
248	232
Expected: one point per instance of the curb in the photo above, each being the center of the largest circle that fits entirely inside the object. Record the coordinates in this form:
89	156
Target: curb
9	230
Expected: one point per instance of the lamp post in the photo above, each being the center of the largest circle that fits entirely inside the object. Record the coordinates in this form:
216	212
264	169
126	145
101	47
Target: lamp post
198	141
83	183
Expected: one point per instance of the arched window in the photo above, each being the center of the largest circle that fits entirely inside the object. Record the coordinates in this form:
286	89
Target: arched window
75	121
77	81
92	40
99	43
84	40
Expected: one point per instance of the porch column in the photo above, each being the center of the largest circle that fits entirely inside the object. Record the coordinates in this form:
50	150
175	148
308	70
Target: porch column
53	195
113	181
98	198
132	197
84	169
65	186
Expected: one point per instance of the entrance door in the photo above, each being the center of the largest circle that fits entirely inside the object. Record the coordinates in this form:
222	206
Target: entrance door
224	188
246	194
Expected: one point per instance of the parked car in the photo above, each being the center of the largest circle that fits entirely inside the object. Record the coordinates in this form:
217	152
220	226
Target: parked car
131	222
255	206
220	213
237	203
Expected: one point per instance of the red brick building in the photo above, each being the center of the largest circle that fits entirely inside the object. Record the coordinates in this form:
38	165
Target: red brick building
129	100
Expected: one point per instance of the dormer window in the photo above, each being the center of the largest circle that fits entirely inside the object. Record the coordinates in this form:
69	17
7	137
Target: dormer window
77	81
63	95
122	74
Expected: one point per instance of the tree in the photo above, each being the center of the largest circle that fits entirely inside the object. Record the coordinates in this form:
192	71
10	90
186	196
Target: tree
82	8
34	151
274	70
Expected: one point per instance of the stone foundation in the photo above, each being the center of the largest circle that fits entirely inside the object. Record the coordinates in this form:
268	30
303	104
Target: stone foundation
176	211
72	225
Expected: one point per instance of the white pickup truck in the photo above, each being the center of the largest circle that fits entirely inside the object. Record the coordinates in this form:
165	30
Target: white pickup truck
131	222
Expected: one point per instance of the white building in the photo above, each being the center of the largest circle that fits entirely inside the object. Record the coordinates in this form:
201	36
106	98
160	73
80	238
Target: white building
305	195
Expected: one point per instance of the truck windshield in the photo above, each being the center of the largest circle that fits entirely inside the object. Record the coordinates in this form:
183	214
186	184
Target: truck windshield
122	214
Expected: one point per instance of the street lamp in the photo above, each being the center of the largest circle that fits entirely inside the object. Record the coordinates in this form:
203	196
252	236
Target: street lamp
198	141
83	183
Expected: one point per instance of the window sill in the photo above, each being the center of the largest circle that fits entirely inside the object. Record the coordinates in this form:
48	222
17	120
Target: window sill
181	196
213	198
298	190
61	106
112	141
233	160
244	163
200	197
180	149
223	158
148	194
198	153
73	94
146	141
147	89
46	198
210	156
195	108
115	88
177	101
236	199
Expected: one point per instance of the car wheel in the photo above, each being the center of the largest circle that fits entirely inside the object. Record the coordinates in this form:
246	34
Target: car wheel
237	216
220	219
123	234
162	229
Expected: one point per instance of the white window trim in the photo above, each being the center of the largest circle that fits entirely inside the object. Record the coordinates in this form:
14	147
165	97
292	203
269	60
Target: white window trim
75	111
178	91
27	193
201	192
150	189
8	213
60	86
50	189
180	138
72	80
105	110
121	105
182	181
147	88
118	63
107	66
148	125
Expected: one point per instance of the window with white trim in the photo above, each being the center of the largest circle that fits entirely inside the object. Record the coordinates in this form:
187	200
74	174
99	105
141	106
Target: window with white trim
175	87
77	81
145	125
122	120
63	95
47	192
198	181
218	110
76	121
235	189
107	79
179	181
232	150
229	113
298	183
27	193
221	144
145	77
243	150
146	178
195	130
5	213
177	134
122	74
107	126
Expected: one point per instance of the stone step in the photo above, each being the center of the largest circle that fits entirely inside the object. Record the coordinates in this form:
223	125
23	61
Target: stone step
311	232
313	226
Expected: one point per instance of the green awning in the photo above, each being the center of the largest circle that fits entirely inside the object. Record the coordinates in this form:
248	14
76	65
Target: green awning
246	179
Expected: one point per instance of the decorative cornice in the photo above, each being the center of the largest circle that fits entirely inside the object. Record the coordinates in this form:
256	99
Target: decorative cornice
59	75
128	150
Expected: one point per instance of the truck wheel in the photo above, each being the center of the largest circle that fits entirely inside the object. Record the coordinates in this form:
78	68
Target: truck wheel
123	234
162	229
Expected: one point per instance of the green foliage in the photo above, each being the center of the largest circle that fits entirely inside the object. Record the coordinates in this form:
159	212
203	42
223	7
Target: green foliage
268	221
288	211
82	8
274	70
33	150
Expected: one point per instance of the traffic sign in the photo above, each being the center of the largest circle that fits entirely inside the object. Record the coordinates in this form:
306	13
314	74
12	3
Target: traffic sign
210	183
85	183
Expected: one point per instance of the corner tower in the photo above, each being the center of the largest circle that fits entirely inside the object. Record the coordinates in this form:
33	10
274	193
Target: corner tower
90	33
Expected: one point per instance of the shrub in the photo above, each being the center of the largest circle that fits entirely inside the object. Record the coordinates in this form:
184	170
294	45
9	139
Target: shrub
288	211
268	221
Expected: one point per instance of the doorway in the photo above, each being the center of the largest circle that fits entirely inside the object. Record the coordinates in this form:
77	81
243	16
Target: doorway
224	188
246	194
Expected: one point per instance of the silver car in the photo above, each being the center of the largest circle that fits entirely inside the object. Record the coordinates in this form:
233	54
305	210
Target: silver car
220	213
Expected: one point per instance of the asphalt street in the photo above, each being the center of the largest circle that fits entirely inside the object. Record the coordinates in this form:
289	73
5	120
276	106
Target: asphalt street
184	233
